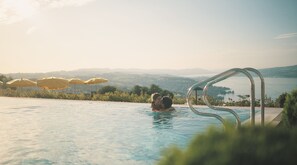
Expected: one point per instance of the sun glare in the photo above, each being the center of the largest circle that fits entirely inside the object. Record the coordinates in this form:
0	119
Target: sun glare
20	8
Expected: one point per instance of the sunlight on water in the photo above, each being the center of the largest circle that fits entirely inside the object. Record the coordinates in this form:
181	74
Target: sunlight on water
43	131
273	86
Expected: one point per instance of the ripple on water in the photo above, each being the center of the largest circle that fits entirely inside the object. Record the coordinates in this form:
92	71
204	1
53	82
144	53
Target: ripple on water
83	132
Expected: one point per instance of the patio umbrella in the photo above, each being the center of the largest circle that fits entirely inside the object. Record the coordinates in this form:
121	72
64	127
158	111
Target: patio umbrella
21	83
53	83
196	93
96	81
76	81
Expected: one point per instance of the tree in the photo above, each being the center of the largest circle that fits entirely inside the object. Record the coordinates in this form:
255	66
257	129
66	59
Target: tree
167	93
144	90
289	116
107	89
4	79
155	88
136	90
281	100
139	90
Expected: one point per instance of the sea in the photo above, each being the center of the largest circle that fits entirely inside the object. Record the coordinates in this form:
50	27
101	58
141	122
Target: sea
240	85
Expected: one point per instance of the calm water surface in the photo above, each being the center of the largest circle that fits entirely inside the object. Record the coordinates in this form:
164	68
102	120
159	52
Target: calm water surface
273	86
44	131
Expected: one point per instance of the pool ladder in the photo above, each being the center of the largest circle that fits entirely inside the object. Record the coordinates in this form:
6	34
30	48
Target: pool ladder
220	77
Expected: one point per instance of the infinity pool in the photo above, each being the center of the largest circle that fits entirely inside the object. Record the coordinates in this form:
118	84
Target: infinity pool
45	131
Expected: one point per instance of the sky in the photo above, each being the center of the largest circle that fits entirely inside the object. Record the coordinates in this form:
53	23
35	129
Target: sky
54	35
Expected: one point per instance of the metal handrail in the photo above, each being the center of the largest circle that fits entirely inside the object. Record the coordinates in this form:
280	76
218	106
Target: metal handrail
215	79
190	90
223	77
262	104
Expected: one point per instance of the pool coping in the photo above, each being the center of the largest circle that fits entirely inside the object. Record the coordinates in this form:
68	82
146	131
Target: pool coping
272	117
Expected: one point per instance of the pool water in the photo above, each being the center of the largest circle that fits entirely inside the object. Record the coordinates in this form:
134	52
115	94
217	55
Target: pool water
48	131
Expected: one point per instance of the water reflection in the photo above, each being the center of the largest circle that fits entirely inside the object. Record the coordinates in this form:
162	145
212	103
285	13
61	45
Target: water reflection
163	120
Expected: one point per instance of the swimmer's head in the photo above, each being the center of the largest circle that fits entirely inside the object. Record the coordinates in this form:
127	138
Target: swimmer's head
154	96
166	101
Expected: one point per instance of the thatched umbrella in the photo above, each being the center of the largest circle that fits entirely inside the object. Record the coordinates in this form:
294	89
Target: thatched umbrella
21	83
53	83
96	80
76	81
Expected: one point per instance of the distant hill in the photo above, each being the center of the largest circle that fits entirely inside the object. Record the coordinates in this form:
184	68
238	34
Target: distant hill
122	80
171	80
174	72
171	83
93	71
125	79
285	72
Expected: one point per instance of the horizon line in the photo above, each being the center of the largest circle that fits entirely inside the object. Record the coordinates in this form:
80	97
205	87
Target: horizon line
156	69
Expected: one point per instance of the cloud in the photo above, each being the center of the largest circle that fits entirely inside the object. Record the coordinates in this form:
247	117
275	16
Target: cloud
15	10
12	11
62	3
31	30
284	36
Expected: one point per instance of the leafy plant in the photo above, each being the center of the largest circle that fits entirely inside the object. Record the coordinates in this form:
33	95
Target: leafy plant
107	89
280	101
244	146
289	116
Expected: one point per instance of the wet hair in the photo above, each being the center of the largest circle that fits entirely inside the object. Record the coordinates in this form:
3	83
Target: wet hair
167	102
154	96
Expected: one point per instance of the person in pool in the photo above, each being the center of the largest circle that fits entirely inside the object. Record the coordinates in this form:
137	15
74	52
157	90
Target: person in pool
166	104
156	105
161	104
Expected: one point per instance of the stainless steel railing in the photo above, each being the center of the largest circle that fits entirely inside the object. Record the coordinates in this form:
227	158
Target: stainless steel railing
220	77
262	103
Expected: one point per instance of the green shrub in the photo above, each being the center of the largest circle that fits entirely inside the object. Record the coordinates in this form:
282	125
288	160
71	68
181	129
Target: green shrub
244	146
280	101
107	89
289	116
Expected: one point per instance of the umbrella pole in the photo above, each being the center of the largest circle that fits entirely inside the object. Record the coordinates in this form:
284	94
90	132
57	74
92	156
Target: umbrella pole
196	99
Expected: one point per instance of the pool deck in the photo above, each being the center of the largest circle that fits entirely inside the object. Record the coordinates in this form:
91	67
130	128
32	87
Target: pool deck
272	117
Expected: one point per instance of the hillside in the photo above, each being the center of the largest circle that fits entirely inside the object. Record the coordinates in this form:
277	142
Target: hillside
171	80
285	72
126	81
123	81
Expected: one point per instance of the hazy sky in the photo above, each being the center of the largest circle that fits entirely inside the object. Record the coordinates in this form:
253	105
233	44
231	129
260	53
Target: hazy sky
51	35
